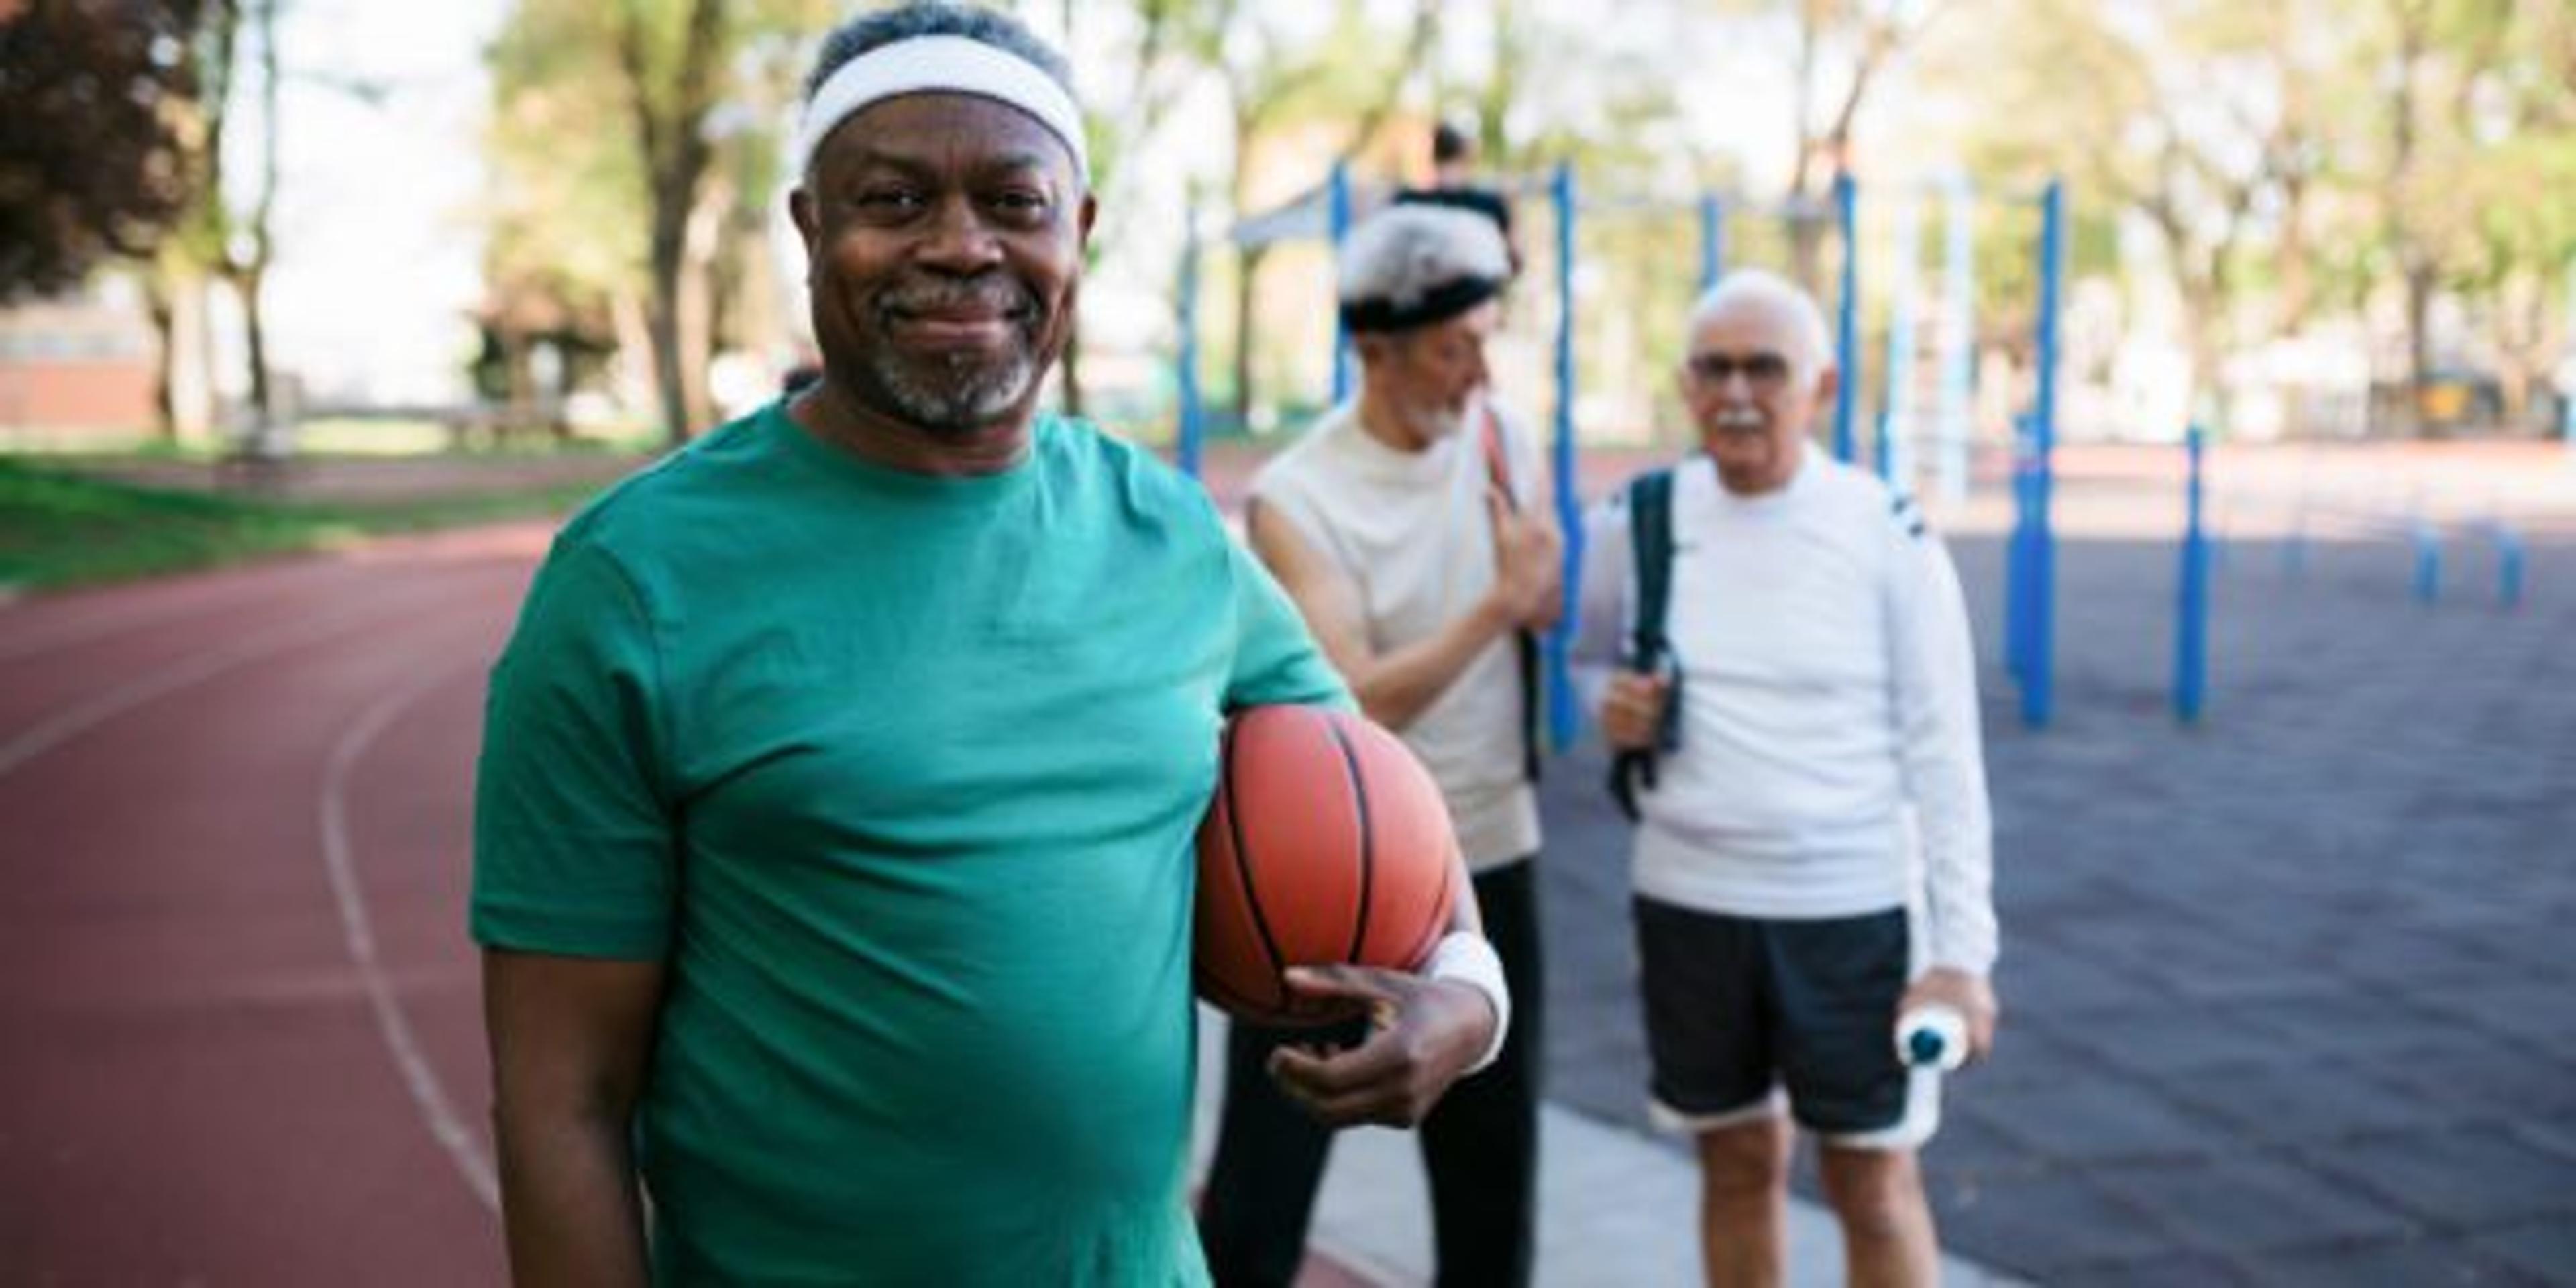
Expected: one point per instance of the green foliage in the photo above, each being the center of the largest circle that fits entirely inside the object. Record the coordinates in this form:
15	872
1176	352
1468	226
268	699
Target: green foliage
568	205
94	159
62	529
569	211
2300	150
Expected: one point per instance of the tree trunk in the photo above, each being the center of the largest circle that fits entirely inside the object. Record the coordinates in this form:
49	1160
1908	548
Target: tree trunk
638	383
2521	332
1502	89
2417	273
670	134
181	372
249	274
2419	338
165	336
1069	370
673	193
247	283
1245	298
663	324
696	304
1806	233
2298	290
2208	389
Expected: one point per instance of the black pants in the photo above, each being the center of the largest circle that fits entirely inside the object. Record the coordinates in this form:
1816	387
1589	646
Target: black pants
1479	1146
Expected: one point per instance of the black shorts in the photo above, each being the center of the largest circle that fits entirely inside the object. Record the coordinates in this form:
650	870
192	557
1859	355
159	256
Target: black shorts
1738	1008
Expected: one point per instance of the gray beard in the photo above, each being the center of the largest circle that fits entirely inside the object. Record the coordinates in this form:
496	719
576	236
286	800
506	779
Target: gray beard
960	399
1436	424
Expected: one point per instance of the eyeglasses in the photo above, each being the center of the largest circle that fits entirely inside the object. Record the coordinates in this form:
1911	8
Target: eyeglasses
1762	371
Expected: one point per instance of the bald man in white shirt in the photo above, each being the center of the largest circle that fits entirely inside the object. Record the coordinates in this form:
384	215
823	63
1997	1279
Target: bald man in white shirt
1814	854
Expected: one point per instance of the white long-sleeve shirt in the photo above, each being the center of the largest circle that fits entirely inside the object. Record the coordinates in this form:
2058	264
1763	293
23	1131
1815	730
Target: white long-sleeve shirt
1830	761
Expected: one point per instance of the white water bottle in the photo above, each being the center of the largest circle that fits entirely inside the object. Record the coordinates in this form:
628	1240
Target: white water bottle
1933	1036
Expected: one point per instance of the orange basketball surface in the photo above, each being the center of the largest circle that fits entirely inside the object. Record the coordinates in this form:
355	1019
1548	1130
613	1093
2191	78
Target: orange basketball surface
1326	842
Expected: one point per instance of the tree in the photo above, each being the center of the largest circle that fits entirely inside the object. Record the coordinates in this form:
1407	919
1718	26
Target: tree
2204	123
639	220
1840	49
176	276
670	72
2471	168
217	238
1276	75
94	162
251	248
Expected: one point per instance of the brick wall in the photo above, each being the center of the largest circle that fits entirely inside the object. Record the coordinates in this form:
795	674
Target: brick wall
111	394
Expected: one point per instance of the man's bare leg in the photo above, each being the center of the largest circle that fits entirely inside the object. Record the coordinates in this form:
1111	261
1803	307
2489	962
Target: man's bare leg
1744	1203
1877	1195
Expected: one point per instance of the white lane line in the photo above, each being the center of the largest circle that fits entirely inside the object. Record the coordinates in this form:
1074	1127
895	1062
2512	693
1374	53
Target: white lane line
83	717
437	1111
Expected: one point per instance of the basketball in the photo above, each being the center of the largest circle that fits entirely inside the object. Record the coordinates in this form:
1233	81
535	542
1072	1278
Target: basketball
1326	842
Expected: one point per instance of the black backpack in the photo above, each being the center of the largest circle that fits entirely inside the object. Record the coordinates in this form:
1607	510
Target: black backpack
1650	532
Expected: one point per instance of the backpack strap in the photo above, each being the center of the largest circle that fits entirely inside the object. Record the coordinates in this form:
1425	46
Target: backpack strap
1650	538
1650	535
1498	468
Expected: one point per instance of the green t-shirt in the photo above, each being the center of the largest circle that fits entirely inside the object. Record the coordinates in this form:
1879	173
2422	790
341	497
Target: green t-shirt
898	774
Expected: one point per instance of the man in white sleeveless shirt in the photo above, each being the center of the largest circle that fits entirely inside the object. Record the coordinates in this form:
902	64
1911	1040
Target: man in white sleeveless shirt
1813	856
1411	528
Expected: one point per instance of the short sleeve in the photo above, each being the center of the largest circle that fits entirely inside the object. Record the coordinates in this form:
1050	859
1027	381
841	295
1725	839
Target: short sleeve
574	842
1275	658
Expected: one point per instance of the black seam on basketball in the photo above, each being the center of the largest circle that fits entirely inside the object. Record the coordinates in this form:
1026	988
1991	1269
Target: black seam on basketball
1368	841
1243	869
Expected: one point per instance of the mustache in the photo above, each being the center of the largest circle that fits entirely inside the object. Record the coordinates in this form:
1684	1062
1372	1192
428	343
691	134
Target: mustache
996	295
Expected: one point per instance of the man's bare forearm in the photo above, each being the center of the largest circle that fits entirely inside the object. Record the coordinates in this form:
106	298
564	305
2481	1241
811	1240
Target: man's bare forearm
571	1203
1397	686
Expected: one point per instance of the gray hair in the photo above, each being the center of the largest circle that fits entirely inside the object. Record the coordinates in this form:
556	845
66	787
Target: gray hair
1781	300
936	18
1400	255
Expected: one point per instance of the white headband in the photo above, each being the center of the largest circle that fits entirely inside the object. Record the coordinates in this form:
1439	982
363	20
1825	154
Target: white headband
940	64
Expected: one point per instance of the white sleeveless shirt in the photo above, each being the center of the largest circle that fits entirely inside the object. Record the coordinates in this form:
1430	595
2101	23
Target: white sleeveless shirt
1411	533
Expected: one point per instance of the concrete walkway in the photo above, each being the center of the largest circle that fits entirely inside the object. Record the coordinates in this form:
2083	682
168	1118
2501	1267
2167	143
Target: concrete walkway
1616	1208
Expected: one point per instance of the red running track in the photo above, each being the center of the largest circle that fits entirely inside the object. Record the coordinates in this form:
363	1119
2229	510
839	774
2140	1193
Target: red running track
240	1038
240	1028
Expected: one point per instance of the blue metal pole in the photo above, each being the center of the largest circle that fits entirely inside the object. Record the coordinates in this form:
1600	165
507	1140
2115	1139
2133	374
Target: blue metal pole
1712	239
2017	554
2191	616
1337	214
2294	549
2508	567
1847	332
2038	693
1193	414
1564	713
2428	562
